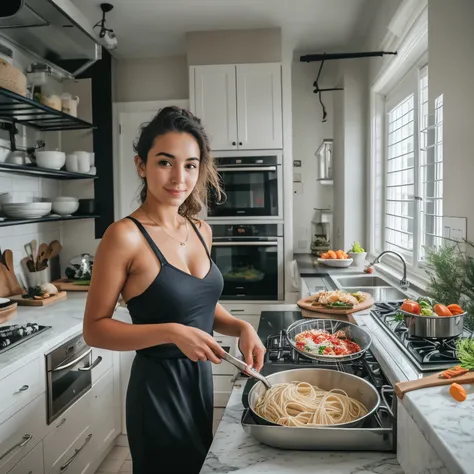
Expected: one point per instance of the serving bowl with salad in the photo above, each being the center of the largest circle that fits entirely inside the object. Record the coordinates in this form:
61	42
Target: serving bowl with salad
428	318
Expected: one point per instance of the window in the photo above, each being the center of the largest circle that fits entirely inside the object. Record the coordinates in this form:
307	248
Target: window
412	169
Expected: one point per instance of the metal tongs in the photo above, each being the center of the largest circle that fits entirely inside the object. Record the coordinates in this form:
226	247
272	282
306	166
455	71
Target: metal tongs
243	367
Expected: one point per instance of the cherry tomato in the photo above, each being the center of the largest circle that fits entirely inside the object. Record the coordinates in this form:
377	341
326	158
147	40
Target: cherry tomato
441	310
411	307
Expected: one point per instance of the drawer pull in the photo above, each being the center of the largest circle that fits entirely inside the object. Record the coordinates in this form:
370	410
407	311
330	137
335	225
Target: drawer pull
92	366
76	453
26	438
24	388
61	423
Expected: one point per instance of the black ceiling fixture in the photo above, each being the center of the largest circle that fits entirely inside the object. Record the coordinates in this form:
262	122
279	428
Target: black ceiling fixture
308	58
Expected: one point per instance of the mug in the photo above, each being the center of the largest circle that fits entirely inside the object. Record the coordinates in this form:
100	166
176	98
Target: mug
83	161
72	163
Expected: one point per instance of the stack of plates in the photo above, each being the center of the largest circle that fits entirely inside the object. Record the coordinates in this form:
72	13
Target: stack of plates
26	210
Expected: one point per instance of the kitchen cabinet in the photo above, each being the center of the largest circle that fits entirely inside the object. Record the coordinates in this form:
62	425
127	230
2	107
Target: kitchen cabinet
102	365
32	463
240	105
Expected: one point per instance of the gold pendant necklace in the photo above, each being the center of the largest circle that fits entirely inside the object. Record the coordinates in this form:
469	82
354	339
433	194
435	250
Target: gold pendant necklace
170	236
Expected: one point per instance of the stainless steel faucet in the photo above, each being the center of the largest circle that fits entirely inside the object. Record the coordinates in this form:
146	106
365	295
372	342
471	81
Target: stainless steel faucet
403	282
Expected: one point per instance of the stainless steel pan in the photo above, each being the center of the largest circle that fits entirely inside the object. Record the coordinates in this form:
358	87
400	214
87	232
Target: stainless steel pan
325	379
435	327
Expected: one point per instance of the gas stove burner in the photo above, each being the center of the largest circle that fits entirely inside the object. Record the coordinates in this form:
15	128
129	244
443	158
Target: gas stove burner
426	354
12	335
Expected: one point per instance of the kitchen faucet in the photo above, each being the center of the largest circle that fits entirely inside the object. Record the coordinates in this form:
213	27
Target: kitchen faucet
403	282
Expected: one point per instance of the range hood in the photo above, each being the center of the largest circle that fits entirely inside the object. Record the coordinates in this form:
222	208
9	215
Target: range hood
54	32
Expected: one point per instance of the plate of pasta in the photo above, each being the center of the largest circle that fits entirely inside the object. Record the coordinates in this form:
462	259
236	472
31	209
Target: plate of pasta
328	339
313	398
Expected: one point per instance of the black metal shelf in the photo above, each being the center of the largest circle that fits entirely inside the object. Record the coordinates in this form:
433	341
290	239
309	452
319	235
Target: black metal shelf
9	222
32	170
23	111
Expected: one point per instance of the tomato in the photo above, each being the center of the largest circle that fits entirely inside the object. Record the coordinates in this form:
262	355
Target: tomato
441	310
369	270
455	309
411	307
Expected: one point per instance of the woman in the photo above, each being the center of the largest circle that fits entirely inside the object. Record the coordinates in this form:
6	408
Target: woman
158	259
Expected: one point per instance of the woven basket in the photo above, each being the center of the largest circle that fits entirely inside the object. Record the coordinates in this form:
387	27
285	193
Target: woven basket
12	78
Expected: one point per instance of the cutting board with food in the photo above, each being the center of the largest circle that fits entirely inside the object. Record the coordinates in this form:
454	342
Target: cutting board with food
40	296
65	284
336	302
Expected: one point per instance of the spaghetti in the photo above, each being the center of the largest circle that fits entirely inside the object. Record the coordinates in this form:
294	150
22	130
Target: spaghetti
303	404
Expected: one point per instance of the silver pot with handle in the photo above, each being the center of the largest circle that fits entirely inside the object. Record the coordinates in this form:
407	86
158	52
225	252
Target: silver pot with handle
325	379
434	327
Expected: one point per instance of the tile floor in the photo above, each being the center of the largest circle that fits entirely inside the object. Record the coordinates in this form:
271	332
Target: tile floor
119	460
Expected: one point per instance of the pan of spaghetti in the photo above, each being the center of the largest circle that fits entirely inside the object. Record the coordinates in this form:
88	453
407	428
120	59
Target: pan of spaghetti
313	398
328	340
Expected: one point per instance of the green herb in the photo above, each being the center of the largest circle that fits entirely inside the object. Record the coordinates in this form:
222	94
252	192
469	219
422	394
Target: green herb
426	311
339	304
465	353
32	292
82	283
399	317
321	349
307	348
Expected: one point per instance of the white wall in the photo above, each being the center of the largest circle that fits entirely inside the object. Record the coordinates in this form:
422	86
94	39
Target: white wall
308	133
451	73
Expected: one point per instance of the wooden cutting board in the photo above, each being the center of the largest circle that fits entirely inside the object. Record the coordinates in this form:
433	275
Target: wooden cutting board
8	312
8	283
69	285
339	317
431	381
305	303
47	301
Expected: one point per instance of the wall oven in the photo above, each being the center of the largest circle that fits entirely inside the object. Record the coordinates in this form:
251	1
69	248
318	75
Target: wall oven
250	258
68	375
253	186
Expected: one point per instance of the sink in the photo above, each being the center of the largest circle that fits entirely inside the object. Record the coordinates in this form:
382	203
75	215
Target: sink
360	280
380	293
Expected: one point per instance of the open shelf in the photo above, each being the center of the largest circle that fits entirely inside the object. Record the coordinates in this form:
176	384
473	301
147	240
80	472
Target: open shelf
8	222
328	182
33	170
23	111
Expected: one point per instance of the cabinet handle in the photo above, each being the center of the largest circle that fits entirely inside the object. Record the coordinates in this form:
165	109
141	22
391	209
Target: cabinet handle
24	388
92	366
26	438
76	453
61	423
233	143
240	143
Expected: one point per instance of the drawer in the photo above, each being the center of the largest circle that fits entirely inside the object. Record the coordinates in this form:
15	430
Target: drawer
223	385
32	463
22	386
78	458
21	432
103	364
63	431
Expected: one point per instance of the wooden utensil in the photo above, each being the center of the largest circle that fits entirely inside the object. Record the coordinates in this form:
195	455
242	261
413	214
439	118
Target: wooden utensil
432	381
34	248
42	255
32	302
54	249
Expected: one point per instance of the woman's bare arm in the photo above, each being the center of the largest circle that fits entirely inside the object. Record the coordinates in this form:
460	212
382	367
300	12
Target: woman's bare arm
111	266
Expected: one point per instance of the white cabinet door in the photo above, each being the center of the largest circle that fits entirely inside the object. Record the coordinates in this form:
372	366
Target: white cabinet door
213	100
32	463
259	106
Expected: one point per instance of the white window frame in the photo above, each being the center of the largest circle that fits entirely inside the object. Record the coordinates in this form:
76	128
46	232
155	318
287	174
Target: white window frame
412	48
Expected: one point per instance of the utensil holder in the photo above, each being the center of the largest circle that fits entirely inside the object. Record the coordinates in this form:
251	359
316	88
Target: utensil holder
37	278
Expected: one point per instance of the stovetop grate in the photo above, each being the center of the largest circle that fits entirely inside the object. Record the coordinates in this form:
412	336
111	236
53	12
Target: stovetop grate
15	334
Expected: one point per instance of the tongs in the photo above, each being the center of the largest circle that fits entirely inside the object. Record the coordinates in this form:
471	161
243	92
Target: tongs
246	369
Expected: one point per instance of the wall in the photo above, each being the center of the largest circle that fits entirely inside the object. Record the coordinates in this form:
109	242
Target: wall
451	69
234	46
151	79
308	133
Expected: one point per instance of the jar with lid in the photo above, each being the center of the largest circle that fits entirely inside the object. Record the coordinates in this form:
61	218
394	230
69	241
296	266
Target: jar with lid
46	85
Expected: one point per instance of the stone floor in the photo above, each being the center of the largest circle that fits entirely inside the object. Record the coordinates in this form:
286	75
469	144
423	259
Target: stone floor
119	460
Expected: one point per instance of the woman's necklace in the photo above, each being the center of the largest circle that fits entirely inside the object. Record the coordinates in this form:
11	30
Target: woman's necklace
170	236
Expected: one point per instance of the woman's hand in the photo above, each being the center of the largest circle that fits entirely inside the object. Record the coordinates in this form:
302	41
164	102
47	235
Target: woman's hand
251	347
198	345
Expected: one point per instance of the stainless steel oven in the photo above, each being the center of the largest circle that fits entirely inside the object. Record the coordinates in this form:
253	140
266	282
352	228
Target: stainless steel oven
68	375
253	187
250	258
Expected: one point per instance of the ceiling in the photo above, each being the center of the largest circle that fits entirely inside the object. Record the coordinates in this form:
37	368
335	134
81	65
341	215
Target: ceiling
157	28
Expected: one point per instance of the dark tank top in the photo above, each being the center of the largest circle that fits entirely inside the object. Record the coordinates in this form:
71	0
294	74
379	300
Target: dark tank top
175	296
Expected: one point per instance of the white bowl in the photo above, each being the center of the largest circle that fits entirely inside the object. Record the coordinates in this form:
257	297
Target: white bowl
64	198
50	159
336	262
65	208
359	258
30	210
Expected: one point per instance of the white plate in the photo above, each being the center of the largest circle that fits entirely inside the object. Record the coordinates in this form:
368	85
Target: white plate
336	262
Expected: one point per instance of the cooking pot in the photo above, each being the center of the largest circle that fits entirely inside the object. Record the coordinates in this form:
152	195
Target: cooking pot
325	379
434	327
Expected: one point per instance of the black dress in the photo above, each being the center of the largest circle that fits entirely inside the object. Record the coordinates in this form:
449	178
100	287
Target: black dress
169	406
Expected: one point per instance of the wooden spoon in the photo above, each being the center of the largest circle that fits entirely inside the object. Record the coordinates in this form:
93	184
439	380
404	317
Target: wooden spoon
34	248
42	255
54	249
432	381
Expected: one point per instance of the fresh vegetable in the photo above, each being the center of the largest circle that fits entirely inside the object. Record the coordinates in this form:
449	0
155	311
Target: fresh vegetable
441	310
356	248
339	305
426	311
411	306
454	372
369	270
455	309
457	392
335	255
465	353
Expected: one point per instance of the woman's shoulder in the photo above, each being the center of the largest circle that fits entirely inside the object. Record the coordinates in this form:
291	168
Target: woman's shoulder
123	231
205	230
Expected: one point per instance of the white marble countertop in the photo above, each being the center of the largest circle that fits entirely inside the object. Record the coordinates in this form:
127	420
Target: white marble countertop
234	451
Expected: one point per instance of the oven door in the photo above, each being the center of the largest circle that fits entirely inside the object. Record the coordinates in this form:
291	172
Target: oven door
68	382
251	191
252	270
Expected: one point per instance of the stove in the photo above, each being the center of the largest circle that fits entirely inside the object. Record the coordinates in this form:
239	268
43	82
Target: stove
15	334
427	355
